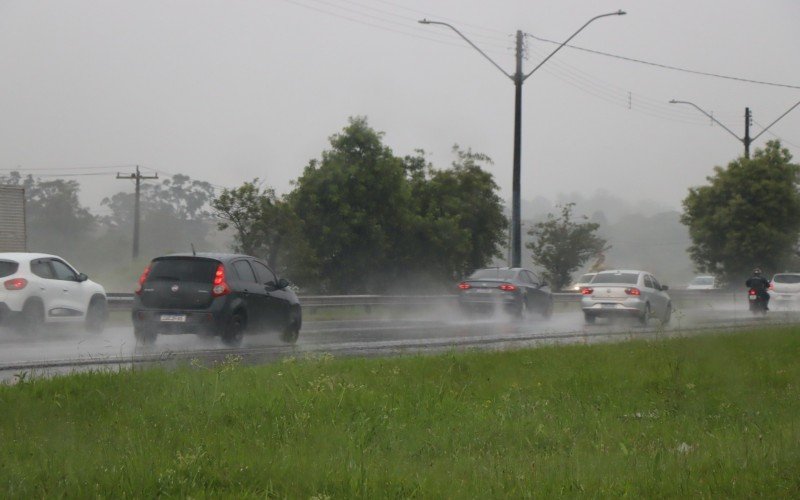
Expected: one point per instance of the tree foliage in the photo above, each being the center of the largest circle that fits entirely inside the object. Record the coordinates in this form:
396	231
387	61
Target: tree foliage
561	245
748	215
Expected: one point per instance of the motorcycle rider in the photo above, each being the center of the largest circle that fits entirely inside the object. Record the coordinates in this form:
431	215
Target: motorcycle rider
760	284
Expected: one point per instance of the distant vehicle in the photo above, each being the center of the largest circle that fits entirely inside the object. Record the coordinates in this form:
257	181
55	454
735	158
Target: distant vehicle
214	294
626	293
41	288
702	283
784	289
584	280
516	291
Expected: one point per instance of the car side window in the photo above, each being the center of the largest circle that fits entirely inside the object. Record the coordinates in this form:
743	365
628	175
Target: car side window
656	284
244	271
265	274
648	282
63	272
42	269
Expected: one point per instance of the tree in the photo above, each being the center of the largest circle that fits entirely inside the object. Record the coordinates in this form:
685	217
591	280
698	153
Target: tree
561	246
748	215
355	207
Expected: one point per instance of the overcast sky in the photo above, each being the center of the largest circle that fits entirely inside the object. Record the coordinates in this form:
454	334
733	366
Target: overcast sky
228	90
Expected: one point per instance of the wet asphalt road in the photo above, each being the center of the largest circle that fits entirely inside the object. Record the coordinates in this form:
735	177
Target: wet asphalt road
60	350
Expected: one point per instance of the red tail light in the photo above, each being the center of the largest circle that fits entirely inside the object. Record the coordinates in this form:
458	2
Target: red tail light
771	285
220	287
752	291
587	291
633	291
507	287
464	285
141	280
16	284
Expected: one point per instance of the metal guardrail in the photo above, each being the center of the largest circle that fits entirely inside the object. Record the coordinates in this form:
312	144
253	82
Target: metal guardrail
124	301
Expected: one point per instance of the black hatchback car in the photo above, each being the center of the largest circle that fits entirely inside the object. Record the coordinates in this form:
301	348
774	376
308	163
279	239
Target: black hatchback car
515	290
213	294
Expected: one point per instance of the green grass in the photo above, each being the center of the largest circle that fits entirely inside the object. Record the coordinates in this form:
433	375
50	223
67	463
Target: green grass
711	416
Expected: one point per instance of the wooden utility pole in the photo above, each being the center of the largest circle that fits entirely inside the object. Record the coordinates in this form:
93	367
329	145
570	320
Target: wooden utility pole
138	177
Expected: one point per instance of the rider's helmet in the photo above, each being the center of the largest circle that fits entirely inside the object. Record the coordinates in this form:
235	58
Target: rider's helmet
757	271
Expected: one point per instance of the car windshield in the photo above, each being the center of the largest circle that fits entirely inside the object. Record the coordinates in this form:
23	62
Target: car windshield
789	279
493	274
178	269
7	268
703	280
621	278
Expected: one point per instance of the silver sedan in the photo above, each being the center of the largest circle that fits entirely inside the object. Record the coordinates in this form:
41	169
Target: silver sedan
626	293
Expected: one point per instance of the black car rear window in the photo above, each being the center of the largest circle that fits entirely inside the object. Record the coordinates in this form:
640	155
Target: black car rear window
493	274
178	269
622	278
7	268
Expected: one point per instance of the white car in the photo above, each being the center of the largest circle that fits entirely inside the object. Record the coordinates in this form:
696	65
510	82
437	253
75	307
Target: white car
39	288
702	283
626	293
784	289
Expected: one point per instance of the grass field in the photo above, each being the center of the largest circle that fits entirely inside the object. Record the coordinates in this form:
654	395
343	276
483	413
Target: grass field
710	416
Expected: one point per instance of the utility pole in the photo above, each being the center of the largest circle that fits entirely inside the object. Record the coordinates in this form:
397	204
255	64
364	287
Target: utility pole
746	140
138	177
518	78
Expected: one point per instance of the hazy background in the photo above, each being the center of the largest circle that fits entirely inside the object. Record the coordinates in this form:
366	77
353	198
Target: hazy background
225	91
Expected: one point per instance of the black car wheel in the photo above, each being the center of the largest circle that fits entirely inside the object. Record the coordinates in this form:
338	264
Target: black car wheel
667	315
32	317
233	332
645	315
292	330
589	318
96	315
145	335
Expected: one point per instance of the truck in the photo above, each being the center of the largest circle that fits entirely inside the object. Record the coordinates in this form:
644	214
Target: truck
13	232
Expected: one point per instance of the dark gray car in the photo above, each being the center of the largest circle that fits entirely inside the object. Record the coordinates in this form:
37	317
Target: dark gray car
215	294
514	290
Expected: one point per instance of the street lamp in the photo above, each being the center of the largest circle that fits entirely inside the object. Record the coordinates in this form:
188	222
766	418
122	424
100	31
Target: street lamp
746	140
519	78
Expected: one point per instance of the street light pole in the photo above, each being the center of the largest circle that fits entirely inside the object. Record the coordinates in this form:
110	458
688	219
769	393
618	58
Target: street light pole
746	140
519	78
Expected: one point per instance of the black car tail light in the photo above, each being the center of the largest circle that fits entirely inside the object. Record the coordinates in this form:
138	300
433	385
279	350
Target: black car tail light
220	287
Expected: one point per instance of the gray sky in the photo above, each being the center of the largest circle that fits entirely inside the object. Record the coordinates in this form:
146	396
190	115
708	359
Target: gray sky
229	90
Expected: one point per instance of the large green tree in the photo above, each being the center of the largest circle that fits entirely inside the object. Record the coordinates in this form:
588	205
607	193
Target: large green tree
560	245
748	215
355	207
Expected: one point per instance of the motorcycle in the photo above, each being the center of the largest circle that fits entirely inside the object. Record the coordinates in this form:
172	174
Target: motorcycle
757	303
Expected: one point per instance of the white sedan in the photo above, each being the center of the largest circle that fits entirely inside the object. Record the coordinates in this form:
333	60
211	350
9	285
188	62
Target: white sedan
40	288
626	293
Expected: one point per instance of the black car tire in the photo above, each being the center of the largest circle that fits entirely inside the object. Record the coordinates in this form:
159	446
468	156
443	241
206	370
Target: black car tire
292	330
32	317
667	314
643	319
589	318
233	332
96	315
145	335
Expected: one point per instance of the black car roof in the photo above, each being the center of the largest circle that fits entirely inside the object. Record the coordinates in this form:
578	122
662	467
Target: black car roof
222	257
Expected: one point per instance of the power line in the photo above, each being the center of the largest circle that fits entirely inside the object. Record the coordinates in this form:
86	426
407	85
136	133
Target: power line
666	66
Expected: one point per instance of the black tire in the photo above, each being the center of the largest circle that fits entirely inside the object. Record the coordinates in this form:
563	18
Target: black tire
645	317
31	319
96	315
292	330
589	318
145	335
667	314
548	310
233	332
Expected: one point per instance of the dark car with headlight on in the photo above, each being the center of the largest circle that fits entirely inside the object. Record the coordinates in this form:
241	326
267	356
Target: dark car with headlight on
214	294
516	291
